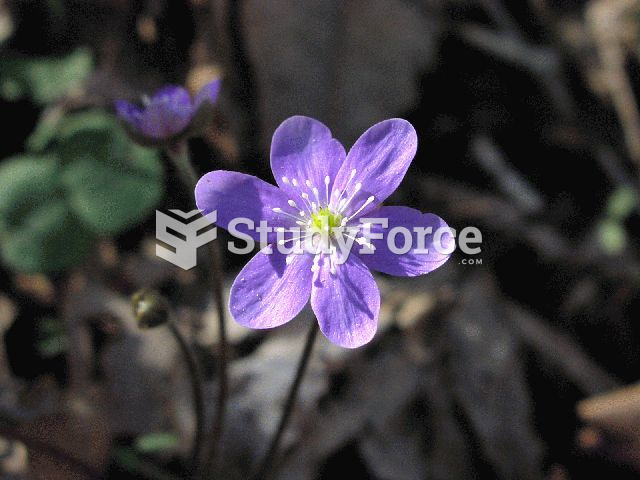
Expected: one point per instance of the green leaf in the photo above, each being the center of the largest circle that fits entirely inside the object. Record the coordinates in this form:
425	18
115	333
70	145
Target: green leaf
133	462
44	79
621	203
94	182
37	232
45	131
48	239
111	183
25	182
613	236
156	442
89	120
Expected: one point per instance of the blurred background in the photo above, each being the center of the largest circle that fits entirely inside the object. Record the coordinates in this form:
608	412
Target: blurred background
515	363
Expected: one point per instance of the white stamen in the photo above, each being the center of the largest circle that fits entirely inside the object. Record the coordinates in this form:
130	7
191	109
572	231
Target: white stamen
285	180
308	184
327	181
346	202
305	197
363	241
304	237
315	267
295	182
353	174
286	214
369	200
292	204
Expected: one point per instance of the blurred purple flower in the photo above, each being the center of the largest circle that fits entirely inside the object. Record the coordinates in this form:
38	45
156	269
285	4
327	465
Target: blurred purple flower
317	179
169	115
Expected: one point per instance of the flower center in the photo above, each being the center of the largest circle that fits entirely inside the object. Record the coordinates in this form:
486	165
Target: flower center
316	214
325	220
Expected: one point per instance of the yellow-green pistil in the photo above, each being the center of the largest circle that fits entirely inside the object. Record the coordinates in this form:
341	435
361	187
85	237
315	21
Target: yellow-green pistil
324	218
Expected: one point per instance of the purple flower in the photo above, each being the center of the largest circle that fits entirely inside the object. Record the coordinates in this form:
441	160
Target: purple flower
318	180
169	115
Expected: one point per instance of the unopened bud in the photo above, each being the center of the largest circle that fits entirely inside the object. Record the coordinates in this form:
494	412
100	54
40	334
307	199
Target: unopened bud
149	308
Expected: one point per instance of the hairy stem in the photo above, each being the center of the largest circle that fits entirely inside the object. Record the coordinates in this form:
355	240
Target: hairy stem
197	394
180	158
266	467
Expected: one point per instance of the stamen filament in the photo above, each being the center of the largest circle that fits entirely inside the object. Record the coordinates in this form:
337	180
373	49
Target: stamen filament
279	210
353	174
355	191
369	200
327	180
304	237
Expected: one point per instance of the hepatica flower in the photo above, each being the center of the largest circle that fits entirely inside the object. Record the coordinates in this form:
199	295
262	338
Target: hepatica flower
169	115
321	190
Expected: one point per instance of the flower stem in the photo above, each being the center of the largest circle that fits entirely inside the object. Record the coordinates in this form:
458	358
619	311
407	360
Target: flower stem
196	390
179	155
266	467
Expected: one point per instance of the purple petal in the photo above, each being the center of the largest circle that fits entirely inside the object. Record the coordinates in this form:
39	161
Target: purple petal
268	292
208	93
412	263
130	113
380	157
167	113
347	303
302	149
237	195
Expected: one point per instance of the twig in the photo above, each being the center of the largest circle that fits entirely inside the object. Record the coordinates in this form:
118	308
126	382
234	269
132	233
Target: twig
510	45
561	351
266	467
502	17
604	22
509	180
492	212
